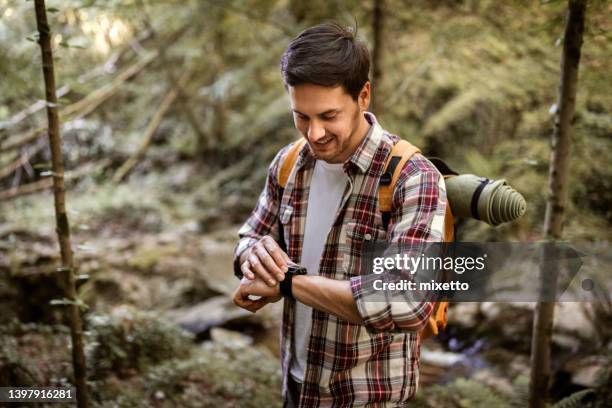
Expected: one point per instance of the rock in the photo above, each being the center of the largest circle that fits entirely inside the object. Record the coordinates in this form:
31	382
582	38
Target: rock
492	310
566	341
507	325
520	365
214	312
464	314
584	371
586	376
230	338
489	309
440	358
570	318
217	264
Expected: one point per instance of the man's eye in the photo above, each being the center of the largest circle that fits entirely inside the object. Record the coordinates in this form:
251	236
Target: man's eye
332	117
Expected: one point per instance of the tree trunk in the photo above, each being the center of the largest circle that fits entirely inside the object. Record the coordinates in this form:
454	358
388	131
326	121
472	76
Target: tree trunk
378	30
219	106
557	196
63	227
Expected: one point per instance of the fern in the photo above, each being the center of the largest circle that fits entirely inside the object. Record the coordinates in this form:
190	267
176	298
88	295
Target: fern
576	400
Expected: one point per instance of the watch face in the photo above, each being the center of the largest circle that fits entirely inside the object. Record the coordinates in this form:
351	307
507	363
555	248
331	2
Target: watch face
296	270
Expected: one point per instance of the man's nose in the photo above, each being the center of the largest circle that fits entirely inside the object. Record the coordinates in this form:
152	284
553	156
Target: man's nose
315	132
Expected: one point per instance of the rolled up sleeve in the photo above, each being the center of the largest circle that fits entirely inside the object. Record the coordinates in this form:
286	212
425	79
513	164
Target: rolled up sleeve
264	217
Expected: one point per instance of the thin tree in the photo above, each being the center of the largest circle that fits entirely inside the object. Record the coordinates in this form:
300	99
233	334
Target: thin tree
557	197
378	35
59	192
219	126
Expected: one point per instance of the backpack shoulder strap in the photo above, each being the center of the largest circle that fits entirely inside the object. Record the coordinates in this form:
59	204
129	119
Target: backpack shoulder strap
397	158
289	161
283	176
401	152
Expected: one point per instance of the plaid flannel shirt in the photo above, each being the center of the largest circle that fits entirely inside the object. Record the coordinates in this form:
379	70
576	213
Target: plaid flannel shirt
376	363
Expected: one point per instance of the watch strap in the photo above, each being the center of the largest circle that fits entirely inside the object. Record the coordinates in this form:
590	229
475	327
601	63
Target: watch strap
286	285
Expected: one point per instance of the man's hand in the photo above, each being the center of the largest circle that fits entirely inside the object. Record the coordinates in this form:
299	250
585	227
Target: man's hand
255	287
265	260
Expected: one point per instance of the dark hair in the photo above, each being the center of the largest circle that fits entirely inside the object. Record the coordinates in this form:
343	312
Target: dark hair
327	55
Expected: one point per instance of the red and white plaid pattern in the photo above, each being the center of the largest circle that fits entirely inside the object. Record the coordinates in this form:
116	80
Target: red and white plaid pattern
377	363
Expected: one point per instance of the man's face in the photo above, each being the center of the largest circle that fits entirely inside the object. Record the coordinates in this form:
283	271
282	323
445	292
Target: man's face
330	120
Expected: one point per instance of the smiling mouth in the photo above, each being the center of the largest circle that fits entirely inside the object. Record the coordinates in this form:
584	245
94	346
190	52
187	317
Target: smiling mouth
324	141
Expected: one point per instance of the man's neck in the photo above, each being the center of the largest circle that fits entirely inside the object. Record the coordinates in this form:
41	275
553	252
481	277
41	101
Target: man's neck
360	133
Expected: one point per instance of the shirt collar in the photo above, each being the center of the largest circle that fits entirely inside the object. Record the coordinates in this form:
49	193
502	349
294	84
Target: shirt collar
362	156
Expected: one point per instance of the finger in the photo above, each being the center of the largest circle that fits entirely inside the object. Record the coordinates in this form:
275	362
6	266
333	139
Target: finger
258	268
253	305
268	262
241	301
288	260
258	304
249	306
246	270
275	252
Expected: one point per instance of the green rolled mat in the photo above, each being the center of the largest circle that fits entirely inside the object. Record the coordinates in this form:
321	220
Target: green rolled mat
491	201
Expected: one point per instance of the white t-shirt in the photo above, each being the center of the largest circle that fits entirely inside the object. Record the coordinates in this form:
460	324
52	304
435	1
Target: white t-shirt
326	190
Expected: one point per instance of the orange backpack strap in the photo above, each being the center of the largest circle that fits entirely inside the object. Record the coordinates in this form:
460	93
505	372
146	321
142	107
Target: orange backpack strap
437	320
401	152
439	316
283	176
449	222
289	161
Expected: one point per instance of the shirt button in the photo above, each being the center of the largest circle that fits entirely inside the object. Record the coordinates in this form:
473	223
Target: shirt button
367	237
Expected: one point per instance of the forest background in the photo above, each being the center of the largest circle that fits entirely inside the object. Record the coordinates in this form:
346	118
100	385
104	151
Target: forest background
170	114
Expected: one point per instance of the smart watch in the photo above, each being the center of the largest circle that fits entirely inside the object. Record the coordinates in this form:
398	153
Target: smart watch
285	284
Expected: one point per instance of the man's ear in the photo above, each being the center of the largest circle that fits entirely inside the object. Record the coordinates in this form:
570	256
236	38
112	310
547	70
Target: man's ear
364	97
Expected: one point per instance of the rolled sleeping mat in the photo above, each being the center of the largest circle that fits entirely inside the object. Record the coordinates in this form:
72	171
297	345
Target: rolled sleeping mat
491	201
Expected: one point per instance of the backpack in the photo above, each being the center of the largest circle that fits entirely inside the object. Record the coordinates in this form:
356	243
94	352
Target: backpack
401	152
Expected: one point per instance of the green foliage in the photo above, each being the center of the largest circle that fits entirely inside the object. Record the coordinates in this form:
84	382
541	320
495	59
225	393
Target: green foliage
576	400
603	384
129	340
33	354
10	363
240	377
520	392
461	393
213	375
475	91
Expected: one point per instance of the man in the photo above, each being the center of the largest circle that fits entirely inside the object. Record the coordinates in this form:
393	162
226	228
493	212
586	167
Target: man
337	347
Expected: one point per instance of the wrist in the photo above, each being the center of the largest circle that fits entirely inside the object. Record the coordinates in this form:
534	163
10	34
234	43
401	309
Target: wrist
297	284
286	285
